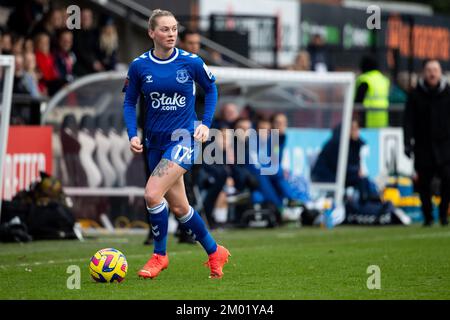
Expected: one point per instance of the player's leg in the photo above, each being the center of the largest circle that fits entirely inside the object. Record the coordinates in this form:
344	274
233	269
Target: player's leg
148	171
191	220
188	178
162	178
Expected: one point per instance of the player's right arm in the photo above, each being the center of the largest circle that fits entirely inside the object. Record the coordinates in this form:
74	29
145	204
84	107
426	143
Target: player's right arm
132	88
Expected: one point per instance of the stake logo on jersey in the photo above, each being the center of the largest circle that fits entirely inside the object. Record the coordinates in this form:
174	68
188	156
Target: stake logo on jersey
169	89
166	102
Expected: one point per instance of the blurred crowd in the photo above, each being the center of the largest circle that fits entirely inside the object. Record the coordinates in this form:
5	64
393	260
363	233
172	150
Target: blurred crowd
48	55
239	168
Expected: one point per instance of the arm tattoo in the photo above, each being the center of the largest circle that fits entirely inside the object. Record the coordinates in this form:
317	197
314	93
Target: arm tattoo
162	168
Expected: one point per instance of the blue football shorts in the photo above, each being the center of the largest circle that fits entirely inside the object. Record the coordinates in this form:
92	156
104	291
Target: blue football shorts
182	153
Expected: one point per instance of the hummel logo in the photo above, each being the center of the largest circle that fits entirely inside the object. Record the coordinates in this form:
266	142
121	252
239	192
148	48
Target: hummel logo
148	79
155	233
189	232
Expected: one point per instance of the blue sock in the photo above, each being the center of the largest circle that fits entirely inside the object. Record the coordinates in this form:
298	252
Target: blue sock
159	218
195	226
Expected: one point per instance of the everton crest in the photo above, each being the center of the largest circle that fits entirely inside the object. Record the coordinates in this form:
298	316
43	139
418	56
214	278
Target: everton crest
182	76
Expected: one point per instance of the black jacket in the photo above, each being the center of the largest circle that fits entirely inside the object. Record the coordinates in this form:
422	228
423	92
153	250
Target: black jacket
427	125
325	168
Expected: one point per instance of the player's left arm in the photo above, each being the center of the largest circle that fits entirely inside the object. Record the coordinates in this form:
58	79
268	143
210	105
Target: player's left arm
206	80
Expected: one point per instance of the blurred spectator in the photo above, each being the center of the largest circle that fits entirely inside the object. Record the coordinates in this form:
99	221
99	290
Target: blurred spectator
319	54
229	172
50	81
372	90
64	57
215	58
273	188
249	112
294	183
109	43
24	17
302	62
19	79
87	37
190	41
244	124
325	167
228	114
6	44
400	88
52	22
18	43
241	175
427	137
30	75
217	175
28	46
280	122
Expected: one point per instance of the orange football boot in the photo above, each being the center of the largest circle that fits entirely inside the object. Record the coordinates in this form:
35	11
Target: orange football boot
216	261
154	266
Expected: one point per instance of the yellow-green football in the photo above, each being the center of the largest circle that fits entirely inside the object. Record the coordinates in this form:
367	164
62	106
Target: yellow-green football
108	265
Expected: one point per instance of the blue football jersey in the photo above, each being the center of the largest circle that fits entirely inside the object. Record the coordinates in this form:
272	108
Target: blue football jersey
168	87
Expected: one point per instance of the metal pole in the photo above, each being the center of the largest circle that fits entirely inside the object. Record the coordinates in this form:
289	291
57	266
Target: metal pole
277	41
344	144
8	78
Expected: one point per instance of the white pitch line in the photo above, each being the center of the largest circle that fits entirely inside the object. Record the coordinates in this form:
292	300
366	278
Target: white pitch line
40	263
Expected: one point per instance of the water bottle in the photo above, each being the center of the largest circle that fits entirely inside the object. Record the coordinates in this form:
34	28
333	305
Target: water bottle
328	218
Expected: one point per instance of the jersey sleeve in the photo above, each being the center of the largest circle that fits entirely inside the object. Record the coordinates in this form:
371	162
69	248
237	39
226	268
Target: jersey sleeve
204	77
132	88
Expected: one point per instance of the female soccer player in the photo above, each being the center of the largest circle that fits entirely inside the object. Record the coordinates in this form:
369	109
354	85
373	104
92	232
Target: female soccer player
166	75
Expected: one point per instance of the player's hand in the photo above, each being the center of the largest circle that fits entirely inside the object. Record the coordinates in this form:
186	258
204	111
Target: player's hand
201	133
136	145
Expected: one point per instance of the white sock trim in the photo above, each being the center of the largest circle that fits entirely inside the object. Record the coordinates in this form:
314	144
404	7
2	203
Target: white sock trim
158	208
187	216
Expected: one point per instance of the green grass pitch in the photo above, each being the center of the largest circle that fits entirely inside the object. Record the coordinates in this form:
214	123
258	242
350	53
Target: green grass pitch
286	263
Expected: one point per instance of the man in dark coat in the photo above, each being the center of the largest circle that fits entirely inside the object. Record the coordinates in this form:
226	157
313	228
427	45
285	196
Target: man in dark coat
86	46
427	137
325	167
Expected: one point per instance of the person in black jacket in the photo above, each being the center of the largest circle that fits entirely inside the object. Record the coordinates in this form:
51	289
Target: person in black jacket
86	46
427	137
325	167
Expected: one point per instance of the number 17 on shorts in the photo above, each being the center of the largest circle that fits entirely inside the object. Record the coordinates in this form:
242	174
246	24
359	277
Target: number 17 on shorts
184	155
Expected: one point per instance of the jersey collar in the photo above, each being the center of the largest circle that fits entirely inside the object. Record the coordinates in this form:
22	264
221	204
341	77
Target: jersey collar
161	61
